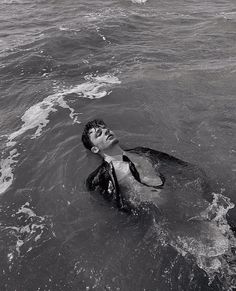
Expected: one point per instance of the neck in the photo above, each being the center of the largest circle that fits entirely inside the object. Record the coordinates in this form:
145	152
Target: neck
113	151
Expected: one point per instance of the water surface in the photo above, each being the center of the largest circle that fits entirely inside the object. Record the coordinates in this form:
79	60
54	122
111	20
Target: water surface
162	75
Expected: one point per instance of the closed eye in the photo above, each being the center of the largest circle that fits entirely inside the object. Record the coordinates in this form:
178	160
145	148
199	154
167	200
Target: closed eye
98	132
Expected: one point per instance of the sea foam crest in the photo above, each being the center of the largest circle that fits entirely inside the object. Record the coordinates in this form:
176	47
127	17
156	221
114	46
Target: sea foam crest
37	117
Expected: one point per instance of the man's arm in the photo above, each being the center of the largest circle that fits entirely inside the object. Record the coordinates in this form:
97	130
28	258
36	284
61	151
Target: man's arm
92	181
103	180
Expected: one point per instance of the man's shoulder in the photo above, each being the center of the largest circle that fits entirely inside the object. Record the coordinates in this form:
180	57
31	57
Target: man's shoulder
156	155
95	177
103	180
169	164
141	150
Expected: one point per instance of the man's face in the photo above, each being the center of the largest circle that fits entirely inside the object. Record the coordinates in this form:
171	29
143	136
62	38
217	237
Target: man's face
102	138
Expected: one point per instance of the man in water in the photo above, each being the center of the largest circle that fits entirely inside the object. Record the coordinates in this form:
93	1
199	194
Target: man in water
172	189
133	178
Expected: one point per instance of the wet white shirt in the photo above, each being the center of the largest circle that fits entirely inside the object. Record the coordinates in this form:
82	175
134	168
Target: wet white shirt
121	168
134	191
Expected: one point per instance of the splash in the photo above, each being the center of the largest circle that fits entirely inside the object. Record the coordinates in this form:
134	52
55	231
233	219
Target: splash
210	242
218	209
30	231
102	35
37	117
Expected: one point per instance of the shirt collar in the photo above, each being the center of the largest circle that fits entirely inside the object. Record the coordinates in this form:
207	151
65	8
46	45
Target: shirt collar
117	158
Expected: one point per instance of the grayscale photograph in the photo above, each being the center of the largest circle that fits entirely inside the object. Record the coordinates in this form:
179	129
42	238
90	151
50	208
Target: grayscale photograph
118	145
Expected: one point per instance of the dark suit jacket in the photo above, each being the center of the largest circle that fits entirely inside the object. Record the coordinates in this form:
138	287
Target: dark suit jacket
104	179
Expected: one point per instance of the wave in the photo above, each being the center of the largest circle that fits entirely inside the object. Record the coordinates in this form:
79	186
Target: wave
37	117
209	241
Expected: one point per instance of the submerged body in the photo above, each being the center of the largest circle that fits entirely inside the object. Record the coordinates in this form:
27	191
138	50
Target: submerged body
134	192
179	206
174	192
181	193
182	209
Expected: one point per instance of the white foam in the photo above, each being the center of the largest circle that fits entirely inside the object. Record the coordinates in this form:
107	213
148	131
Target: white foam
37	117
64	28
25	209
139	1
217	211
29	233
228	15
6	170
211	248
102	35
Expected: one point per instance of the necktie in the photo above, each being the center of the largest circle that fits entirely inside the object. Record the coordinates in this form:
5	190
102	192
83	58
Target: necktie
136	175
132	168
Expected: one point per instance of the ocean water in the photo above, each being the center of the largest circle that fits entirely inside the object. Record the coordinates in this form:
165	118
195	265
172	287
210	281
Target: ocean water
162	75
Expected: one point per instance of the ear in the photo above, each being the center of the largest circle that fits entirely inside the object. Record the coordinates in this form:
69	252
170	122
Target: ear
95	150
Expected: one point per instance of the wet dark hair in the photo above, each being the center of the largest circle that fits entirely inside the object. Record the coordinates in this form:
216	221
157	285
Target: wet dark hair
88	126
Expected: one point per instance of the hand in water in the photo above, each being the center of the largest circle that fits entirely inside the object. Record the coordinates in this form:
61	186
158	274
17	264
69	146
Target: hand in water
152	181
146	172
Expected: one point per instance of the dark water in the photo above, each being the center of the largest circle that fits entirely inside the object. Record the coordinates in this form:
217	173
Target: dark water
162	75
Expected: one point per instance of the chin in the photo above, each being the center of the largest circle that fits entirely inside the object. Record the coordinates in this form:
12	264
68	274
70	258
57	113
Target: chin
114	141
